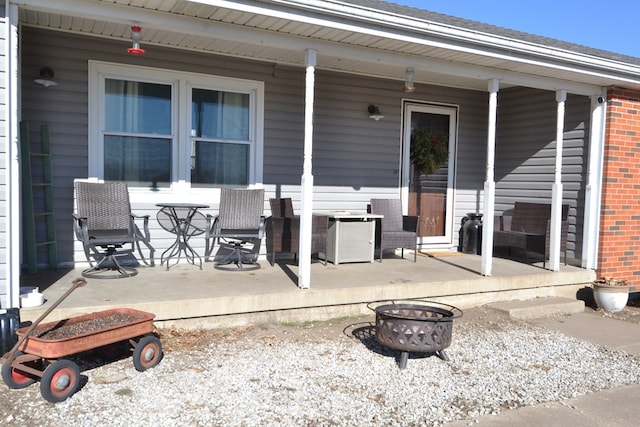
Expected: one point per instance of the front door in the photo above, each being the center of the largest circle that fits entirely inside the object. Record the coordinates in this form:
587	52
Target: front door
429	194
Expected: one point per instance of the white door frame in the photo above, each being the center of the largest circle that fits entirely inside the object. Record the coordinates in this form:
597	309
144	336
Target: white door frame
410	107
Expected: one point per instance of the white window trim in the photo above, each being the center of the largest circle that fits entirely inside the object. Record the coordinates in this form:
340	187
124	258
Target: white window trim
182	83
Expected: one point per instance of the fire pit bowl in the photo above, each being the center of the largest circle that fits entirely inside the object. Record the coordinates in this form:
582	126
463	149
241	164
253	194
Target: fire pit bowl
420	327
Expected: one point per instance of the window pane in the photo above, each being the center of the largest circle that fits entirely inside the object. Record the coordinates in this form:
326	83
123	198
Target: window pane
138	161
136	107
216	163
220	115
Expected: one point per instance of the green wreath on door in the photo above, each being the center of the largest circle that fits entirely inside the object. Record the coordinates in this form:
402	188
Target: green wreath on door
429	150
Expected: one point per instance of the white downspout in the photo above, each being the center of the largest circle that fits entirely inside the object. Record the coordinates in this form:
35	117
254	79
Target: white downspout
304	250
12	118
594	183
556	193
489	184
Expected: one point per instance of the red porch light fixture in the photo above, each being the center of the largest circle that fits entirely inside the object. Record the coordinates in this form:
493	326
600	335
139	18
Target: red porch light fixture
135	37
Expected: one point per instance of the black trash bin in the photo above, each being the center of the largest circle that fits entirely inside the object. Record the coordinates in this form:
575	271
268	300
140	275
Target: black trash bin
472	233
9	324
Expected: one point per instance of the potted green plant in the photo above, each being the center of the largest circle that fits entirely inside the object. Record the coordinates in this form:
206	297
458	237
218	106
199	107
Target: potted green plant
611	294
429	150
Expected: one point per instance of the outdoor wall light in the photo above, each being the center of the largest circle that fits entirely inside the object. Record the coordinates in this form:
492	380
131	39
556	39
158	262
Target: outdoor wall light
46	77
409	85
135	38
374	112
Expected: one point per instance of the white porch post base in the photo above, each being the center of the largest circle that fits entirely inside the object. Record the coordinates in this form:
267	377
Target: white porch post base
556	228
304	256
487	227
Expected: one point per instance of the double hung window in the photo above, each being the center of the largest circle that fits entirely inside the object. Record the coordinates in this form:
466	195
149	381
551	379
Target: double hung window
163	129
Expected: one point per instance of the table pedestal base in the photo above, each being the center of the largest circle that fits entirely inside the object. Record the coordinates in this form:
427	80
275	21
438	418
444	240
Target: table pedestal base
180	247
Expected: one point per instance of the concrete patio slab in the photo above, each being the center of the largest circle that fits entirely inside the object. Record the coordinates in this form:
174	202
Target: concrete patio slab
213	298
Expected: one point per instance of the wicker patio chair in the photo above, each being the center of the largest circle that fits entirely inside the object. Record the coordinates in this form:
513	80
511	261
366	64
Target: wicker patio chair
238	229
396	230
528	226
283	230
104	223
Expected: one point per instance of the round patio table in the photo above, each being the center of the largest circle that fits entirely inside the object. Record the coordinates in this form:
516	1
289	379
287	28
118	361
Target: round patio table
183	220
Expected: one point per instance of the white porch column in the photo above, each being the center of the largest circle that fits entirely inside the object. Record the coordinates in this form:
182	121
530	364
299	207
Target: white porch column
304	250
489	183
556	197
594	183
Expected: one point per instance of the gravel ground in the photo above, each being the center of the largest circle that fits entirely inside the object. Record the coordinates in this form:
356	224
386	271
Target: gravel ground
330	373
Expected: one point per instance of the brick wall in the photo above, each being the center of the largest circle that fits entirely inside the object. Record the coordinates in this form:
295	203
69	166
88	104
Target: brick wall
619	254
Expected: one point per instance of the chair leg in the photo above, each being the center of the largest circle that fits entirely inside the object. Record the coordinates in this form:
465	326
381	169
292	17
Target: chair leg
273	255
149	247
325	253
207	250
109	262
87	253
236	258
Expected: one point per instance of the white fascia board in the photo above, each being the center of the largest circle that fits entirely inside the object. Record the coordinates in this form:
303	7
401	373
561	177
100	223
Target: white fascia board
492	41
490	44
206	28
421	27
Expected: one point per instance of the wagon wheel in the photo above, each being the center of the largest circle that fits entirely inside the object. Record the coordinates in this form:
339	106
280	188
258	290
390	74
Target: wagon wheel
15	378
60	380
147	353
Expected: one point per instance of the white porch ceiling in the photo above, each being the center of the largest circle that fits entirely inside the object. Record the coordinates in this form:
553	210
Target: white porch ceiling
280	31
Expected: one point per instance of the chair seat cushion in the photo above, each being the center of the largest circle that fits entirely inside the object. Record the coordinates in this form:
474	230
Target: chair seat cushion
398	239
519	239
110	237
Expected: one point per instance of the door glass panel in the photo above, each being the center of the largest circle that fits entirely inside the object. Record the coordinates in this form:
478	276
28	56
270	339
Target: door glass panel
428	191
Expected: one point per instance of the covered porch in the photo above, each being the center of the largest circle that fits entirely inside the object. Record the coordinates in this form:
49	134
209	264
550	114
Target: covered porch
326	71
188	297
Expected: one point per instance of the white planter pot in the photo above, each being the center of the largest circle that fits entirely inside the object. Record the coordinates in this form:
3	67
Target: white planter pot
611	298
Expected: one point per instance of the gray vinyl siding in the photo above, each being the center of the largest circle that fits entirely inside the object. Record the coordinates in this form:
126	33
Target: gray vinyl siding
4	181
65	108
526	149
354	158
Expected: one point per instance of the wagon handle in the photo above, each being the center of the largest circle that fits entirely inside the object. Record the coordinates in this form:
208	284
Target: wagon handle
8	358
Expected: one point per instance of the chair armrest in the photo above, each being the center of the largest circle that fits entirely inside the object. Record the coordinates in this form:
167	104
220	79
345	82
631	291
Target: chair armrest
502	222
80	227
564	230
146	236
212	223
263	220
319	223
497	223
410	223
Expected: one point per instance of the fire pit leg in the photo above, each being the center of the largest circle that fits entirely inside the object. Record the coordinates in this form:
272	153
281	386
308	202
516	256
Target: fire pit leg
404	356
442	355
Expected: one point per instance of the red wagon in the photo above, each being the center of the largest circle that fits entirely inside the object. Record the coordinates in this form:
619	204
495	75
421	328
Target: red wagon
41	348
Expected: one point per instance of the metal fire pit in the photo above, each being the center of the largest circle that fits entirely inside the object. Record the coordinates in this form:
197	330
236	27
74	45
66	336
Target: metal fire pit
420	327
